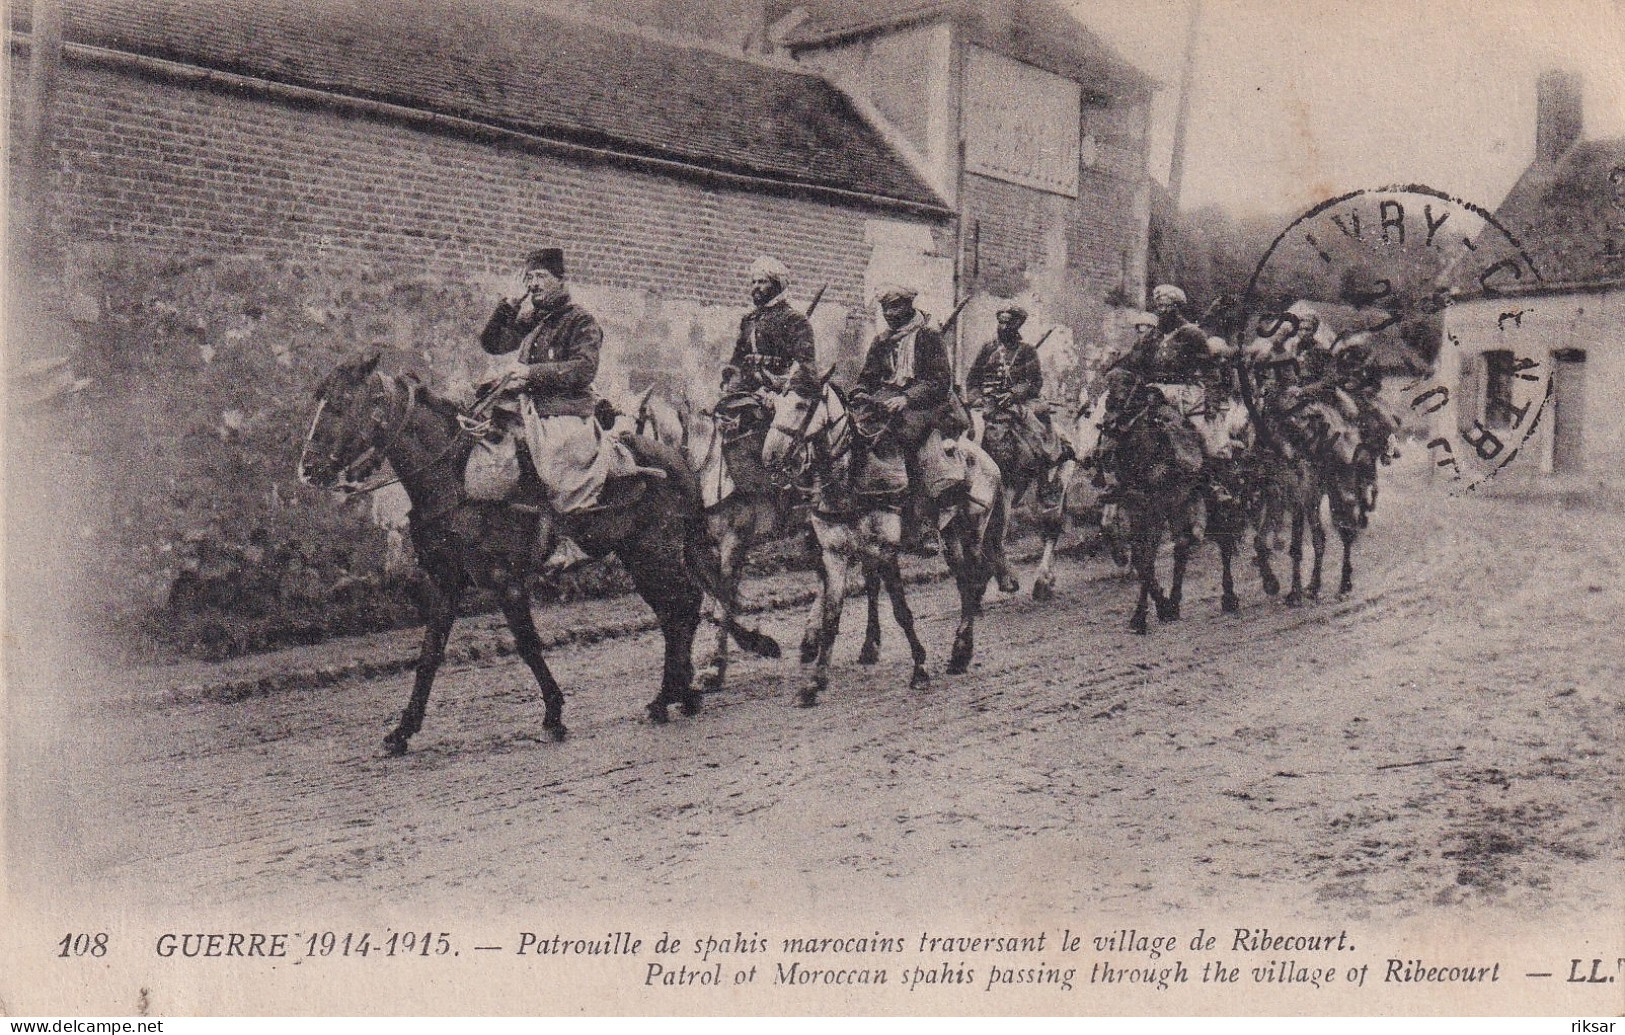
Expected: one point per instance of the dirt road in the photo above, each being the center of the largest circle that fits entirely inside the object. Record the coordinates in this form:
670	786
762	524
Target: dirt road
1445	742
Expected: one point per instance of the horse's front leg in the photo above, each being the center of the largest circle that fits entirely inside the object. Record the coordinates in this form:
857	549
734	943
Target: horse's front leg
1147	538
1294	596
516	608
814	631
1317	539
835	543
1269	518
439	612
970	577
731	545
1003	574
884	536
1051	520
871	630
1229	603
1168	608
1348	523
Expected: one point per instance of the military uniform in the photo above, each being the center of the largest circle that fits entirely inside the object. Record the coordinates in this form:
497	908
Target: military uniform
560	344
910	361
1005	380
556	348
773	338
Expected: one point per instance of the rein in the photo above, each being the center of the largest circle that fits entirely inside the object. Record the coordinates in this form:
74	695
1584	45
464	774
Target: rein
375	454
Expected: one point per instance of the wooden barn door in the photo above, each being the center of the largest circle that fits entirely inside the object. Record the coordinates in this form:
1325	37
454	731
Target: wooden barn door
1568	410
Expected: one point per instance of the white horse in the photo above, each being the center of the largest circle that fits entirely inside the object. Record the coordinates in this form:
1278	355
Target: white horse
856	517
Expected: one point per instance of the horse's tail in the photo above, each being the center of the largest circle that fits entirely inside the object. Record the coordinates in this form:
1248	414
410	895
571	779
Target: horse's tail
704	565
702	560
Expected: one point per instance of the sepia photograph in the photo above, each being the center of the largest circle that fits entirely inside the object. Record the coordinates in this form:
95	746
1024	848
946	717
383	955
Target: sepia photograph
813	507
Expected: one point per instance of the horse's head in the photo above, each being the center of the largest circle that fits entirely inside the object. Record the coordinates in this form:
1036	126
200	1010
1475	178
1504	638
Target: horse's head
801	411
352	405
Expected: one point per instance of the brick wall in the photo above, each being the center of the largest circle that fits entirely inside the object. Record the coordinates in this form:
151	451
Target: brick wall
145	160
220	251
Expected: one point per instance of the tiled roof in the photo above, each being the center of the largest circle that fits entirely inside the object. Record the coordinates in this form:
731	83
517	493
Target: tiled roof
1039	31
506	64
1570	217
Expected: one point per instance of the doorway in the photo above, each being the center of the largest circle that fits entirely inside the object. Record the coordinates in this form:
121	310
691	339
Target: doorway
1568	410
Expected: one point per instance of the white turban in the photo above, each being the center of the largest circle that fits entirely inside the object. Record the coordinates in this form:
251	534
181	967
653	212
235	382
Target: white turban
1167	293
1141	318
771	268
895	293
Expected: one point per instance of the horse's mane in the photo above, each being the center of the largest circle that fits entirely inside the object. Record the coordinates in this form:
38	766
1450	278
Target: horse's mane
427	397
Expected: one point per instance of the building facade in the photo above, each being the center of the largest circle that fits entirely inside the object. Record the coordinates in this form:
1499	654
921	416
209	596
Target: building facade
1564	327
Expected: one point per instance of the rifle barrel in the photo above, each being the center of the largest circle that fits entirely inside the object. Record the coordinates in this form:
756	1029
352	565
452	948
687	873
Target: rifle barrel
818	297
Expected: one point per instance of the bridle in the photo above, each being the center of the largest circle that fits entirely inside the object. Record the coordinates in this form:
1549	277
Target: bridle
351	477
823	453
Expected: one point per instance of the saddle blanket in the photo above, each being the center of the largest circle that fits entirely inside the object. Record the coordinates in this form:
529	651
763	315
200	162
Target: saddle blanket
573	457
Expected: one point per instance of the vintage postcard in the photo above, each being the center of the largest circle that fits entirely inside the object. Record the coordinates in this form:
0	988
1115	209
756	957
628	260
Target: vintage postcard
745	507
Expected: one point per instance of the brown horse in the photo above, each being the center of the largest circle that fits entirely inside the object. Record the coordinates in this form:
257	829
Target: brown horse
365	417
724	447
812	437
1163	496
1025	466
1300	467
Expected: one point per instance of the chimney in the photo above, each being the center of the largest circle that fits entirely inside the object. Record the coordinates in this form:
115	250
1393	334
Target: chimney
1557	115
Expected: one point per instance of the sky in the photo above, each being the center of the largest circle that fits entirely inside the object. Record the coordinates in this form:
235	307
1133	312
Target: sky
1294	102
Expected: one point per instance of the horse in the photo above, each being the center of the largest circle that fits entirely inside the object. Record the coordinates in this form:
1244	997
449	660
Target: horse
724	447
365	417
996	427
1300	466
1163	495
813	424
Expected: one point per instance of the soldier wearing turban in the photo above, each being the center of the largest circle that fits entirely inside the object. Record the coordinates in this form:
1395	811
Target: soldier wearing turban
773	336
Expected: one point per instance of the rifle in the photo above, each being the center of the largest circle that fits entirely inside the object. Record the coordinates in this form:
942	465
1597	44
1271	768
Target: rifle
953	317
1043	338
819	297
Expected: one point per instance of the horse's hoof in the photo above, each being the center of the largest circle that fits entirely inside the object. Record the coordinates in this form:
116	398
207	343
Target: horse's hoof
657	713
1272	586
1292	599
1009	584
1229	605
1043	591
920	680
869	654
690	705
809	653
556	730
710	681
395	745
956	667
1168	613
807	699
1137	625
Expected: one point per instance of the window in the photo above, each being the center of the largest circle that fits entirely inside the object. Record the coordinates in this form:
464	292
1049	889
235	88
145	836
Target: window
1498	389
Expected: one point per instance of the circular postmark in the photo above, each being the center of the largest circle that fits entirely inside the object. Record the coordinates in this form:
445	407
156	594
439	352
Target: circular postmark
1435	280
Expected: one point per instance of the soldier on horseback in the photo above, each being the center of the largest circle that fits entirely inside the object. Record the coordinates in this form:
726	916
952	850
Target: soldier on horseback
906	386
1358	376
773	336
1005	383
1309	398
546	395
1182	363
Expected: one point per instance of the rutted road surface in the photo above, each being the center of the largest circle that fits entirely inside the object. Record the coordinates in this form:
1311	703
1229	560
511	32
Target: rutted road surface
1446	740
